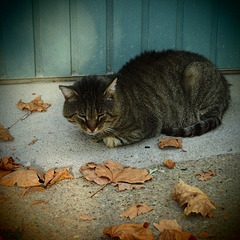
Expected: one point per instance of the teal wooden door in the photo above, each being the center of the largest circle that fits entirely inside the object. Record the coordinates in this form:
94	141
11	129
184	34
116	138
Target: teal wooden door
56	38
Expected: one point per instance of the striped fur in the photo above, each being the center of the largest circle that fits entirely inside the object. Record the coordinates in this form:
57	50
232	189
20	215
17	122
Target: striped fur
177	93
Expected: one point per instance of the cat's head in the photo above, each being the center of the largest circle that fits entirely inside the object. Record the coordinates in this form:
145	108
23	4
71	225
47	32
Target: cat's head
91	104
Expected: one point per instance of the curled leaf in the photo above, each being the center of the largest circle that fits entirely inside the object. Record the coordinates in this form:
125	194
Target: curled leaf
55	175
196	200
8	163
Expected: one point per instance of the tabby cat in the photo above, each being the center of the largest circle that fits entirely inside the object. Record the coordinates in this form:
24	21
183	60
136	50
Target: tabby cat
177	93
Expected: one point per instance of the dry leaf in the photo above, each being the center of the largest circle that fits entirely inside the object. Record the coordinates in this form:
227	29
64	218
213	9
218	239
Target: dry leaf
130	231
86	218
169	163
206	235
136	209
196	200
171	230
8	163
112	171
55	175
164	224
4	134
33	141
35	105
127	186
23	177
88	171
172	234
205	175
38	202
170	142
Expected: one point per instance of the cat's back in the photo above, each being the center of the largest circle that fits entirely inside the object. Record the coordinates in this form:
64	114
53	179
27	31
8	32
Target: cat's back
164	61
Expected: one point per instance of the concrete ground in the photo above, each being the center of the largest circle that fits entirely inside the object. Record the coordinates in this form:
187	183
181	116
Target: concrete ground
61	144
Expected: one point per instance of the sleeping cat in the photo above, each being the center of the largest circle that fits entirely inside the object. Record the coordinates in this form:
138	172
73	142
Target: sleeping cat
177	93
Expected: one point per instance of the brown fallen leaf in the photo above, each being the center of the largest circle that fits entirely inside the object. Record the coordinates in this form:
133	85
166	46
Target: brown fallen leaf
196	200
55	175
171	230
88	171
206	235
169	163
86	218
170	142
129	231
127	186
112	171
205	175
28	177
164	224
38	202
5	135
33	141
8	163
35	105
136	209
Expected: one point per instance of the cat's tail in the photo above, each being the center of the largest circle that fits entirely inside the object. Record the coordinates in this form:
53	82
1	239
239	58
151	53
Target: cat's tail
196	129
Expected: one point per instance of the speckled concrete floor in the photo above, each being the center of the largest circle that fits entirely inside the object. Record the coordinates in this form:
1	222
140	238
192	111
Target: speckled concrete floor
61	144
68	199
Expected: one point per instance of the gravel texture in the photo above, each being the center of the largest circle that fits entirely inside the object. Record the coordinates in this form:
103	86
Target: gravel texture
68	199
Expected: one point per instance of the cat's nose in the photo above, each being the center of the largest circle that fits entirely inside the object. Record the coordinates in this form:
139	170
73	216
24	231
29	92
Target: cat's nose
92	128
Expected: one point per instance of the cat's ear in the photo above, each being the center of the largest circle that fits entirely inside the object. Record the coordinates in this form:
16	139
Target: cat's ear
111	89
69	94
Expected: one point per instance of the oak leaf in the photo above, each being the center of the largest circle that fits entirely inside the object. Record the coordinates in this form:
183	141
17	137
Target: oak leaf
55	175
129	231
136	209
169	163
196	200
171	230
205	175
170	142
4	134
28	177
35	105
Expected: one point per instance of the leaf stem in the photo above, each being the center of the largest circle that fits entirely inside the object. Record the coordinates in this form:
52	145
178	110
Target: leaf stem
20	119
100	189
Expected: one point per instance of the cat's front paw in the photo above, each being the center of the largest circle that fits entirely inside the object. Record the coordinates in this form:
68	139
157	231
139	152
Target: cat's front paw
112	142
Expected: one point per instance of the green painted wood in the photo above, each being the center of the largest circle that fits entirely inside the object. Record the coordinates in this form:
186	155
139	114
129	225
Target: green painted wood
91	36
228	45
127	31
197	26
61	38
16	41
162	24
